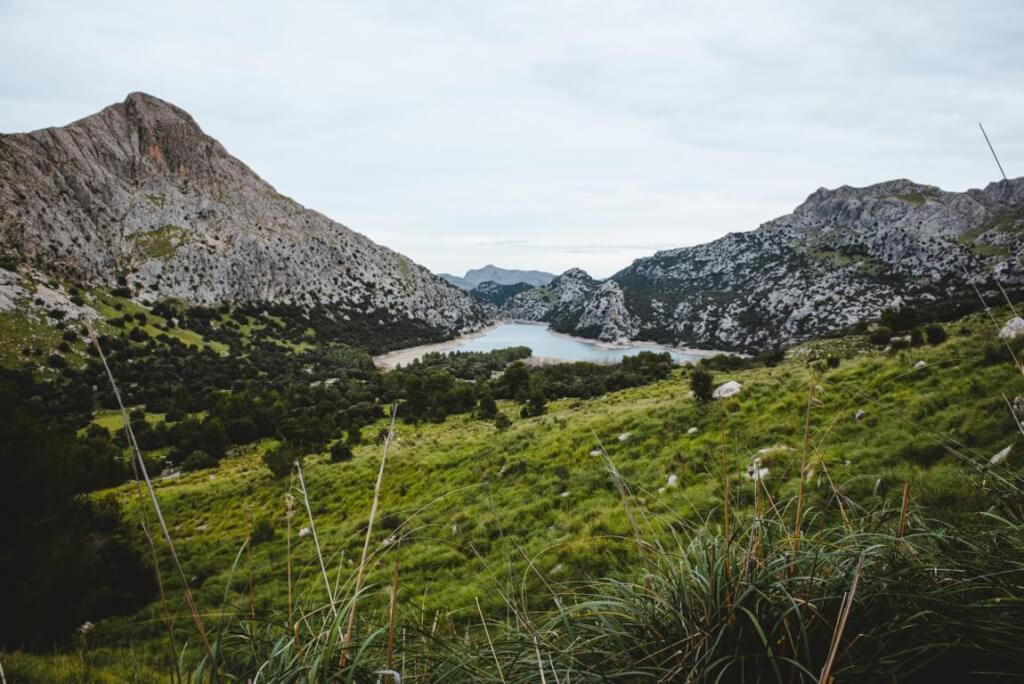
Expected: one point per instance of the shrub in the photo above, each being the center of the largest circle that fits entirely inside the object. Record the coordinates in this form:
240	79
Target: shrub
279	460
701	384
340	452
197	460
56	361
262	531
935	334
880	335
502	422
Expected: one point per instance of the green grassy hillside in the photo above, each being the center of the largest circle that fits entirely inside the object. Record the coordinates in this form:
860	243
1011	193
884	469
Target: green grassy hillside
472	513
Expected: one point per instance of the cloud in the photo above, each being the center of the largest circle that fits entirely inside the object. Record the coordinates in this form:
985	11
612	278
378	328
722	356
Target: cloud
546	134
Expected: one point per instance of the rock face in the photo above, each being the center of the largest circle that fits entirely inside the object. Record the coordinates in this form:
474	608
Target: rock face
501	276
839	259
137	194
578	304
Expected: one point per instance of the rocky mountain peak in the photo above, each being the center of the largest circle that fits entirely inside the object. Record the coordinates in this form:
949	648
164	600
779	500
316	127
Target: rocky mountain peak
138	194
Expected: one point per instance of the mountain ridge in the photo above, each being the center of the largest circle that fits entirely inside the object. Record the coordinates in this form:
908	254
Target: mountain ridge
499	276
836	261
137	195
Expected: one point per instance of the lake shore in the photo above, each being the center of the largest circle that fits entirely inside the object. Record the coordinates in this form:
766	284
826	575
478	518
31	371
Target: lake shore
403	357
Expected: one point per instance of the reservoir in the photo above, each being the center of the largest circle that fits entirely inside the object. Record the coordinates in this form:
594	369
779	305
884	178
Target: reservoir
546	344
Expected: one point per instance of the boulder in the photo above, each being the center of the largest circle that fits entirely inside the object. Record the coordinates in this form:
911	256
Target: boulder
692	431
1014	328
920	364
1001	456
727	389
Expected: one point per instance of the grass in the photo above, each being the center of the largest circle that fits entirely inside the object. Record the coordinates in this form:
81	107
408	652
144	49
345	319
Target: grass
529	518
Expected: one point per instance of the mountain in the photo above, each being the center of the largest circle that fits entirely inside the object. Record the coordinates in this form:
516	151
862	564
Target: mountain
500	276
139	196
838	260
496	295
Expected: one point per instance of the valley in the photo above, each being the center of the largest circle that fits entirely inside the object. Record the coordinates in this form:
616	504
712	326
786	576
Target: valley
243	442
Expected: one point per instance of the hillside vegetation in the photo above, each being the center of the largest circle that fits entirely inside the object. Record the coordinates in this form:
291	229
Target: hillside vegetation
572	532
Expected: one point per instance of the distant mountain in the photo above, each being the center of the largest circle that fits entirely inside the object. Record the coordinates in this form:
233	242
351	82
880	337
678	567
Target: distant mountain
501	276
139	196
495	294
839	259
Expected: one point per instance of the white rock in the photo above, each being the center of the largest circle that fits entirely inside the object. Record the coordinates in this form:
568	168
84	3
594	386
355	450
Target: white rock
85	627
564	494
692	431
305	531
919	365
1001	456
624	436
757	472
1013	328
596	452
727	389
673	480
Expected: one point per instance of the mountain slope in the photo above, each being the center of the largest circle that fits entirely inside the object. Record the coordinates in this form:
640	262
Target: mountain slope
137	194
498	275
839	259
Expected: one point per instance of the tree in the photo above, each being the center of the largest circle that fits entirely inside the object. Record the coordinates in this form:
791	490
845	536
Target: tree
536	402
515	381
701	384
502	422
487	408
280	459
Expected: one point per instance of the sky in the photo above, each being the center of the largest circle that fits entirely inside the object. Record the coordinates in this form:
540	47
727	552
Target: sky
546	135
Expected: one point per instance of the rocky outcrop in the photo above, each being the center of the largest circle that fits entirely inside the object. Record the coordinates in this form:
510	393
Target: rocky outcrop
839	259
138	195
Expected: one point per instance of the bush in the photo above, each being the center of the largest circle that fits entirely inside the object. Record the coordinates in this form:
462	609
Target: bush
280	459
935	334
502	422
701	384
56	361
880	335
197	460
341	452
262	531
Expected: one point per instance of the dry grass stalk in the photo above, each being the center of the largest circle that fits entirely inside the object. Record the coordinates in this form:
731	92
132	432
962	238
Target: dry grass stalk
904	506
289	502
316	540
369	532
487	633
803	466
540	661
620	485
393	612
141	468
837	634
248	561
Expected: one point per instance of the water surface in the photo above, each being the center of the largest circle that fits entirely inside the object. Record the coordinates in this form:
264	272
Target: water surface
541	340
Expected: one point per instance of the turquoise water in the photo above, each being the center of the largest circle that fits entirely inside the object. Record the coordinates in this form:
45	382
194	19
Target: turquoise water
545	343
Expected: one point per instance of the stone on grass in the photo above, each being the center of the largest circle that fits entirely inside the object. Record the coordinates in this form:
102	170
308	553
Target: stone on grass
727	389
1001	456
1014	328
692	431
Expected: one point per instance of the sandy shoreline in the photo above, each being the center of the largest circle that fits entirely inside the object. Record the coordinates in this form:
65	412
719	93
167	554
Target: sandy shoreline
403	357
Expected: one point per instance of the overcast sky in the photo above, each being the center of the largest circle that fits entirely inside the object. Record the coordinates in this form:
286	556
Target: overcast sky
546	134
